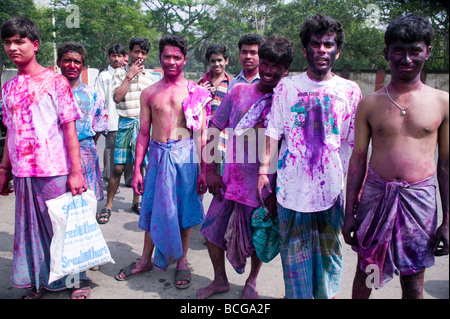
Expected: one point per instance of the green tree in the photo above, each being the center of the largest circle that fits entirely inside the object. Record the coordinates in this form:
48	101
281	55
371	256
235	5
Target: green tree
101	24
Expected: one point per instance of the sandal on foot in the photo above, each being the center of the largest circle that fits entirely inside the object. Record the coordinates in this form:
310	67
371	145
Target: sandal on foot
183	275
34	294
103	216
127	271
136	208
83	292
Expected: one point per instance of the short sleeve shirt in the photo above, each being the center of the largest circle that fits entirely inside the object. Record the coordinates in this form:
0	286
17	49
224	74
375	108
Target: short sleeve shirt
315	121
94	112
34	107
241	159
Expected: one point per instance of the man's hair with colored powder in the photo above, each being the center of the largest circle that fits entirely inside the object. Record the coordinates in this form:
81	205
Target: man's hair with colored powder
250	39
72	47
142	42
22	26
277	50
410	28
173	40
321	25
216	49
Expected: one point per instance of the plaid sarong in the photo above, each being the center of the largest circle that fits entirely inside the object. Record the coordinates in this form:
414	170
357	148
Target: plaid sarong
311	251
124	151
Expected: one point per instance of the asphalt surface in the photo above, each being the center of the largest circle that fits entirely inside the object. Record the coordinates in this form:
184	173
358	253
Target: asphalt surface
125	241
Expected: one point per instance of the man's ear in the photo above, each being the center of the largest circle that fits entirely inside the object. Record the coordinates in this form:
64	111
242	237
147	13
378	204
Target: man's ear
428	52
338	54
36	45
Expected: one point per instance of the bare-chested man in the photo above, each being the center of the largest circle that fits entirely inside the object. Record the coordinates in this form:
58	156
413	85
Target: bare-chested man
177	111
393	225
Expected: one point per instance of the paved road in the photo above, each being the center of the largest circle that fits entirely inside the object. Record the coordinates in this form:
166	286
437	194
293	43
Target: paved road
125	241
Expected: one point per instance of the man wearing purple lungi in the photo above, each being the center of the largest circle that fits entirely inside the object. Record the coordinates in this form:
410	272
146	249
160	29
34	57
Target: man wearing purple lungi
392	225
227	226
43	151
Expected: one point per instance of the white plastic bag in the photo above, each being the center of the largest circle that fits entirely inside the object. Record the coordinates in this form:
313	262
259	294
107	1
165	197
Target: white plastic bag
77	244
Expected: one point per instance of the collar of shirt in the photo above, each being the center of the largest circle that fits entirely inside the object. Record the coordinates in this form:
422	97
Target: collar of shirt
242	76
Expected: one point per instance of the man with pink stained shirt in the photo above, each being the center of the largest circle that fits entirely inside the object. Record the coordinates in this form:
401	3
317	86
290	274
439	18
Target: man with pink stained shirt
43	151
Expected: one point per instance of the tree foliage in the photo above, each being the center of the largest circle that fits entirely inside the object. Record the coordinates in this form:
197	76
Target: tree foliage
204	22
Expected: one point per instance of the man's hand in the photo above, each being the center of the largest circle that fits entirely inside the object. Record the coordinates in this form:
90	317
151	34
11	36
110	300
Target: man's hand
136	68
441	241
76	183
137	183
5	190
201	184
263	182
349	230
215	183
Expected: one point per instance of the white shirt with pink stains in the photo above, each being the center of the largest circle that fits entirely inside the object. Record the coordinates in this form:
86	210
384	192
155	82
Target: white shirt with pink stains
34	107
315	120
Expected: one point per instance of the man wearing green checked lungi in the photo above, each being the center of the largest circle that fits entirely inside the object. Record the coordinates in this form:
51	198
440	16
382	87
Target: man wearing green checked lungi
128	85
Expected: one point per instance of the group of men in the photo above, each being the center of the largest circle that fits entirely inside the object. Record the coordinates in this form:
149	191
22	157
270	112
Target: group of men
262	139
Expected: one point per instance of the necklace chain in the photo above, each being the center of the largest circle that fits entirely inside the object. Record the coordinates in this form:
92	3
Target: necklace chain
403	109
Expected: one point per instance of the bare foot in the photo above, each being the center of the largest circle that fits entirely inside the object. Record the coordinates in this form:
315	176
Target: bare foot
213	288
250	292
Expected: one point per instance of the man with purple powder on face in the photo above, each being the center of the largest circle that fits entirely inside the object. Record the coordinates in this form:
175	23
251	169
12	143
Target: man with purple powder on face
312	114
392	224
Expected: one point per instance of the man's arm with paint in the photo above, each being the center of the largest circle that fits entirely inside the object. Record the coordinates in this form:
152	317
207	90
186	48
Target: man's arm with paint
75	181
442	235
142	141
200	143
213	180
356	172
266	158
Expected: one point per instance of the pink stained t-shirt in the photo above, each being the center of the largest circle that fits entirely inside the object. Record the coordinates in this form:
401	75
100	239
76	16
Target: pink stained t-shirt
34	107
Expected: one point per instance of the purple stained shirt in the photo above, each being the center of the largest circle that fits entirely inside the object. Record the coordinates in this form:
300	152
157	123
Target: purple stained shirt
315	121
241	159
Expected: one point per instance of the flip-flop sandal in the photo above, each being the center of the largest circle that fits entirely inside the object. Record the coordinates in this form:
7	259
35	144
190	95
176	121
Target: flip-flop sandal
33	294
83	292
103	216
127	272
183	275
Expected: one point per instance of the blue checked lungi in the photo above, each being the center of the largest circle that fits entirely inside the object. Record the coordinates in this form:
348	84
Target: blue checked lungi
170	201
124	151
311	252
